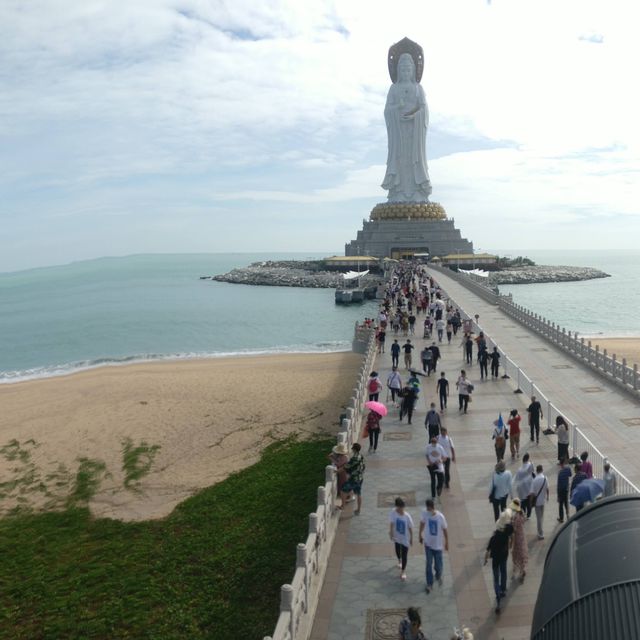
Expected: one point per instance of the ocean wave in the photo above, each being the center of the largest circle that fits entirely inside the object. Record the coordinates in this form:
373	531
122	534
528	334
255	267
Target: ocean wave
57	370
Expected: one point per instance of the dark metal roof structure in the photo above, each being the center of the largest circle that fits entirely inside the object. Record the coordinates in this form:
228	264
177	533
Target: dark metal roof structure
591	582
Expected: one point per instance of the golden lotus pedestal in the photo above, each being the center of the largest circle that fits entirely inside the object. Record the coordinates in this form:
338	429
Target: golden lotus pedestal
408	211
405	229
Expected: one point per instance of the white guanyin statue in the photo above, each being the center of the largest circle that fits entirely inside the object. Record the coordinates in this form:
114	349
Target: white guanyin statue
407	118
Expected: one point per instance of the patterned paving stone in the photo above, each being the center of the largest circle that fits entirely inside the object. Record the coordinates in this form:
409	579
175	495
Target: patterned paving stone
387	498
397	435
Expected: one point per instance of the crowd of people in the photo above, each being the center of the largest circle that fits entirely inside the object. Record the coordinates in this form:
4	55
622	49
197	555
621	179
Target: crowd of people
514	498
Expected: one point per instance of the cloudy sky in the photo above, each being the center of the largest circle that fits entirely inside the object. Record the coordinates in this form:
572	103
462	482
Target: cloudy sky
134	126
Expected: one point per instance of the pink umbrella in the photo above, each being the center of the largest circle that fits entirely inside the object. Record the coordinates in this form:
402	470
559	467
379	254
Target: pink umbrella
378	407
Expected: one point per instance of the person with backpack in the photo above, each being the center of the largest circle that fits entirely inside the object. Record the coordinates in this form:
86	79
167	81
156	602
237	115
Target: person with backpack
426	356
500	436
355	476
407	348
409	395
483	360
498	551
436	355
374	385
372	429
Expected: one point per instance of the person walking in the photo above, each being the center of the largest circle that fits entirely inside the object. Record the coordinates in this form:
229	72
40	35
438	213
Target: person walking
468	348
440	325
449	331
500	488
610	481
395	354
435	537
435	455
401	534
442	387
426	355
382	336
464	389
535	415
562	432
483	361
539	497
564	475
374	386
373	430
436	355
514	434
394	383
432	422
520	551
445	441
355	476
498	551
494	356
523	482
409	395
500	437
407	347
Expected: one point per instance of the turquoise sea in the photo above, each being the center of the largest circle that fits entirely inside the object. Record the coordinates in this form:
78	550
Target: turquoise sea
111	311
605	307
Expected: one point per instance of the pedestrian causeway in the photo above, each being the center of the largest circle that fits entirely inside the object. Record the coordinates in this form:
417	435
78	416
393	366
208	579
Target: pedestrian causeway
399	468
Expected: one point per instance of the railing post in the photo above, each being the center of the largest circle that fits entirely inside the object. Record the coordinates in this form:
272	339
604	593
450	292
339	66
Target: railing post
635	377
548	414
301	562
624	371
518	389
574	434
604	360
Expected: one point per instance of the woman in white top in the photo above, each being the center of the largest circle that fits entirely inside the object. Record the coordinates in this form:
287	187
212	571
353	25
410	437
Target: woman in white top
523	482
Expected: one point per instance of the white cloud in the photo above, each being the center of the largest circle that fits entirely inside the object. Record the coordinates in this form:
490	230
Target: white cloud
107	104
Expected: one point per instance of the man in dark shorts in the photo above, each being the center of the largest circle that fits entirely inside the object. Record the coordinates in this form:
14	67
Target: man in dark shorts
535	415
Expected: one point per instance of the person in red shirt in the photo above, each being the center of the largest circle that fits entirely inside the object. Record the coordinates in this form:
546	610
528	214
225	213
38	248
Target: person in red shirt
514	434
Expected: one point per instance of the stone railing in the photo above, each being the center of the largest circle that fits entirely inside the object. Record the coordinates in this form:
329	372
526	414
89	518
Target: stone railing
618	372
299	600
579	442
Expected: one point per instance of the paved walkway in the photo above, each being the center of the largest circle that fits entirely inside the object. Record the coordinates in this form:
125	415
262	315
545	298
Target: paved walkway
363	596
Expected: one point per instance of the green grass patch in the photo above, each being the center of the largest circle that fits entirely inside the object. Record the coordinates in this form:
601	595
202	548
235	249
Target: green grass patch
212	569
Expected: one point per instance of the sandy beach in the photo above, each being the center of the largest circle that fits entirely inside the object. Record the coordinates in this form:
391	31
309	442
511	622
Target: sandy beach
628	348
210	418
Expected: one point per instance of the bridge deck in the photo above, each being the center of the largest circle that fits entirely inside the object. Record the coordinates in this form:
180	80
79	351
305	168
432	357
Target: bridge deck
363	595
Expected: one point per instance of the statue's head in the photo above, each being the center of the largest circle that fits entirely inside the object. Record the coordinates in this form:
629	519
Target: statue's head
406	68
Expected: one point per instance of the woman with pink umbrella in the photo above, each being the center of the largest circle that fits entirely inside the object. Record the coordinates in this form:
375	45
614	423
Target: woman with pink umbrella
376	411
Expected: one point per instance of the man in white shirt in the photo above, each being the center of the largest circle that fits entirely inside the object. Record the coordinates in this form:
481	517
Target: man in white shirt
435	464
436	540
539	496
445	441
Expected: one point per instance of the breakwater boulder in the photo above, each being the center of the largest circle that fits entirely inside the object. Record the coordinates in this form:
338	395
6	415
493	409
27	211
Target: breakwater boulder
289	273
544	273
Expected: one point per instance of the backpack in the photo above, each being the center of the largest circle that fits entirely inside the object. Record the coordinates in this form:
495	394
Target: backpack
373	385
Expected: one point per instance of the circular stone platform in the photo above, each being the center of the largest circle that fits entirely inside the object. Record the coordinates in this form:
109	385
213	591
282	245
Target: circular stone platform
404	210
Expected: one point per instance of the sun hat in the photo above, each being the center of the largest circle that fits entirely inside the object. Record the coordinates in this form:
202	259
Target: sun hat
515	505
501	466
504	519
341	449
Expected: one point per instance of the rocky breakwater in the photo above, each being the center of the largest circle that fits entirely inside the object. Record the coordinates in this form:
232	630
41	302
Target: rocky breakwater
283	274
544	273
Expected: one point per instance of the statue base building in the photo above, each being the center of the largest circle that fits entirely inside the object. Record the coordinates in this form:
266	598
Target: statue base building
402	230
